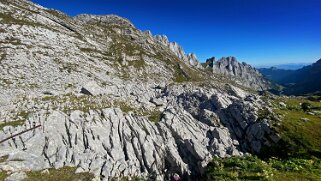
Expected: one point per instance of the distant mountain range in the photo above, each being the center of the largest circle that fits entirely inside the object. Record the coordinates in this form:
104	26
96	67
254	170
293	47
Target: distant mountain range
289	66
279	76
305	80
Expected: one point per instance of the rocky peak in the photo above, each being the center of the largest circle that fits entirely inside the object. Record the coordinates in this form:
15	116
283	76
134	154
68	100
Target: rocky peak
162	39
104	19
189	59
192	59
244	73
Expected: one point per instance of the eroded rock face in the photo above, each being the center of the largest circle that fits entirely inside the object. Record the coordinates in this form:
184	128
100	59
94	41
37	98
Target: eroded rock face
194	127
104	19
110	143
189	59
243	73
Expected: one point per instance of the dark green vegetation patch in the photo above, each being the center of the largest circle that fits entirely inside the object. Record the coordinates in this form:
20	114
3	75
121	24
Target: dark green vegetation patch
253	168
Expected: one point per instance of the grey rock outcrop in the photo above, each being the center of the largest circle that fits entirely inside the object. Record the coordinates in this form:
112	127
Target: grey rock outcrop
92	88
104	19
17	176
194	127
242	73
111	143
189	59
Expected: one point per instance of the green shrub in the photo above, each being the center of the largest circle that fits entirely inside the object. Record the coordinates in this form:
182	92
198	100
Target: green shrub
155	116
306	106
238	168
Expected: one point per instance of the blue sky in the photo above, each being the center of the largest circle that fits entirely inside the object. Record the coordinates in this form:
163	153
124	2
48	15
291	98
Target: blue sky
259	32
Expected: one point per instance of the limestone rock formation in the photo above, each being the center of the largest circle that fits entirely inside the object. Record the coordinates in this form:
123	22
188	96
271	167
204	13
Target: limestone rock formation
112	143
189	59
107	19
115	101
243	73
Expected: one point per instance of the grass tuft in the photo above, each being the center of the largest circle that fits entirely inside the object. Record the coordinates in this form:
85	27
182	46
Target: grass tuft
155	116
65	173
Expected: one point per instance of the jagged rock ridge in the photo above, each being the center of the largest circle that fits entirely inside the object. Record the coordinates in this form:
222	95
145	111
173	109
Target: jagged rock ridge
243	73
104	19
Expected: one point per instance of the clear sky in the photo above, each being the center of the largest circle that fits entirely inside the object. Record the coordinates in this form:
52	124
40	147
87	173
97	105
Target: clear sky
259	32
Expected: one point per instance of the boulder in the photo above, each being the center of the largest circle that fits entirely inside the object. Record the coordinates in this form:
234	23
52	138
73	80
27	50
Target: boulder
17	176
157	101
305	119
92	88
282	105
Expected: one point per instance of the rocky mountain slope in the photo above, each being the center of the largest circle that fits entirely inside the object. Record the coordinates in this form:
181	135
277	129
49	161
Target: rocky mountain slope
242	73
117	102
